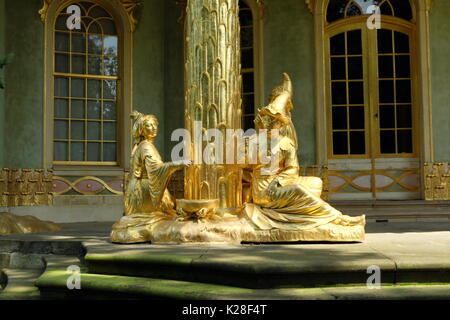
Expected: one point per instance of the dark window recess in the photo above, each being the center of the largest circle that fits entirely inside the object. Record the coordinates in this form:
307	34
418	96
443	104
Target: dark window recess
356	116
387	141
355	68
357	142
340	118
337	44
338	69
405	141
339	93
340	143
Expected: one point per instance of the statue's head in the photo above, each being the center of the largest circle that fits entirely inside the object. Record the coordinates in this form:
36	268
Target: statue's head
145	126
278	113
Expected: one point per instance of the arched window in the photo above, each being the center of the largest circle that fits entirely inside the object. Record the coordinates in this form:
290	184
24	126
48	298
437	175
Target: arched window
86	86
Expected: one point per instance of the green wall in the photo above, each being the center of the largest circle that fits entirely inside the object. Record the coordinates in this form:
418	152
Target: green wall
149	64
289	47
24	78
440	75
2	95
174	74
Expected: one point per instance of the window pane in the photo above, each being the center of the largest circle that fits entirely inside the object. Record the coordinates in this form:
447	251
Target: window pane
338	69
109	111
404	117
386	91
356	115
61	151
403	91
340	143
61	87
387	117
248	103
386	66
110	46
62	41
77	130
95	44
108	26
77	151
109	131
78	43
94	89
78	64
401	43
248	122
337	44
109	152
357	143
336	10
387	141
339	93
245	16
94	109
405	141
61	108
385	41
95	65
386	9
62	63
354	42
340	118
109	90
402	67
94	131
356	92
61	130
94	152
78	88
111	66
355	68
353	10
402	9
248	82
247	58
78	109
246	37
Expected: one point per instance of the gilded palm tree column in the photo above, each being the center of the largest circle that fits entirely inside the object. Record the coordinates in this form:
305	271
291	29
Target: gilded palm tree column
213	96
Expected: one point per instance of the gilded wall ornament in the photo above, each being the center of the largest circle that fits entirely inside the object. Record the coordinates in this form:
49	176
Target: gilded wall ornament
26	187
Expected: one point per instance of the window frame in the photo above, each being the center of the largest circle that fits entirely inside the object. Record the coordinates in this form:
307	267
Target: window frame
370	74
124	95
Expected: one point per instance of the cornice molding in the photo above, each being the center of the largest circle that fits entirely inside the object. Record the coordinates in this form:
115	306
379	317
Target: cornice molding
128	6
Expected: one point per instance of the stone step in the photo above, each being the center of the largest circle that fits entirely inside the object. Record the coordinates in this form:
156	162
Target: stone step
19	284
262	266
52	285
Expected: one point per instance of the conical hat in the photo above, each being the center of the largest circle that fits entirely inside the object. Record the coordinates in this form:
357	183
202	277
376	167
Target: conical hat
279	106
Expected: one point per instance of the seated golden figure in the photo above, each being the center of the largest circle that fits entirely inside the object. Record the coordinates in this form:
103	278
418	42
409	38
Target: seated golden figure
282	199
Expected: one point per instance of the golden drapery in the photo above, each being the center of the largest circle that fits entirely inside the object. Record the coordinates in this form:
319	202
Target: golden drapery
295	203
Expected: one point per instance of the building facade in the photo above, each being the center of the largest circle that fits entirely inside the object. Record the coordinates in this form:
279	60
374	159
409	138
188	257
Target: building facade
370	101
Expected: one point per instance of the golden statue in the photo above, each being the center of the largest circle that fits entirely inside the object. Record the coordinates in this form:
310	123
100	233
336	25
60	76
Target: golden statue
150	176
281	206
283	200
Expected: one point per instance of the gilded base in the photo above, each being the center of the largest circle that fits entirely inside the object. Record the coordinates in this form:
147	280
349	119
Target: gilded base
11	224
160	228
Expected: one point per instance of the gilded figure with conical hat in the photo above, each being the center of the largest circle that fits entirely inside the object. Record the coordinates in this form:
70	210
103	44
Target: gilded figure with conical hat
284	200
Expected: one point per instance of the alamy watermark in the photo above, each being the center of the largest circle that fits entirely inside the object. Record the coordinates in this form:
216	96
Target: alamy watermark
74	280
230	146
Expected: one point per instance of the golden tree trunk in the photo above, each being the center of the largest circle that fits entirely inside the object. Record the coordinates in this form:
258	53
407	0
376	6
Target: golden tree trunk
213	94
